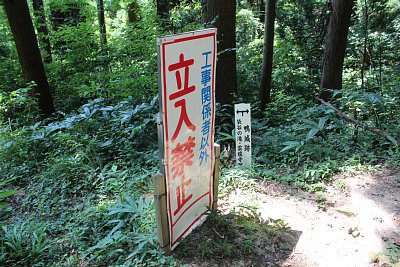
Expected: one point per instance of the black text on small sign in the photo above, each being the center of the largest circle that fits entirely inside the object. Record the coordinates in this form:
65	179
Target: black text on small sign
187	76
243	134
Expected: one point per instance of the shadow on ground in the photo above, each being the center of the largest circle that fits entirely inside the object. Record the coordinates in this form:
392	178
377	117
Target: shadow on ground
238	239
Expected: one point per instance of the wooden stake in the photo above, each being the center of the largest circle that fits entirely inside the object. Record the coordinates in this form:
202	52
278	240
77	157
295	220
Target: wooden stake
217	153
160	202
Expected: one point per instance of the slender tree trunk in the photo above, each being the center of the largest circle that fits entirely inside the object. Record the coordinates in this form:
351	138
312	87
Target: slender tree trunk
266	73
335	47
222	15
44	39
21	25
365	52
102	23
380	61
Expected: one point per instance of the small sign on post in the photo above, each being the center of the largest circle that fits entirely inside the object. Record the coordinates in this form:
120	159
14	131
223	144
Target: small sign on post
187	64
243	134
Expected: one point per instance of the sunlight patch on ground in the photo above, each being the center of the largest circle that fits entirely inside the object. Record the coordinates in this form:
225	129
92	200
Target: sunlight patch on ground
351	232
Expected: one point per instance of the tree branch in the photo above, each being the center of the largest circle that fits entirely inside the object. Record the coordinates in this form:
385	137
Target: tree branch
377	131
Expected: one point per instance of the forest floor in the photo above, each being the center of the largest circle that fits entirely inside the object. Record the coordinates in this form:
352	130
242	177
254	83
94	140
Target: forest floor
355	222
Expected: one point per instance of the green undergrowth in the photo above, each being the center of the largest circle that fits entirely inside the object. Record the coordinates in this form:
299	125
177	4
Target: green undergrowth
79	192
86	179
392	253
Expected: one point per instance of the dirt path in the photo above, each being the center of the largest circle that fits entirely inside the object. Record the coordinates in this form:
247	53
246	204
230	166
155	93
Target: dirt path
352	229
348	226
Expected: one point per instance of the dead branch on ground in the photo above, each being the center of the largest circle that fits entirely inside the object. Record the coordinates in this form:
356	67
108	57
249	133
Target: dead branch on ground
377	131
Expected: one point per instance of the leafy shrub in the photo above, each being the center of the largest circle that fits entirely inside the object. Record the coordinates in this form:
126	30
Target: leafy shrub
292	105
249	61
23	243
248	27
185	17
5	193
10	73
132	240
20	157
234	179
18	107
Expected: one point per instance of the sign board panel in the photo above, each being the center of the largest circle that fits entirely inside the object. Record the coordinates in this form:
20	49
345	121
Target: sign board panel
187	82
243	134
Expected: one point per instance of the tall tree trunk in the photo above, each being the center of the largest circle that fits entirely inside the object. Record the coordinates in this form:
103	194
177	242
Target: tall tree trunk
266	73
262	11
222	15
42	29
102	23
335	47
21	25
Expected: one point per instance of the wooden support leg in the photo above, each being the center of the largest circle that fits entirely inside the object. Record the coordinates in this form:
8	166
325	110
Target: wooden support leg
217	151
160	202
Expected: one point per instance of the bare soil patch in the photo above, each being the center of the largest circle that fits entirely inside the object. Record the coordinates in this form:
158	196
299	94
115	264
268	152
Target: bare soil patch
350	224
